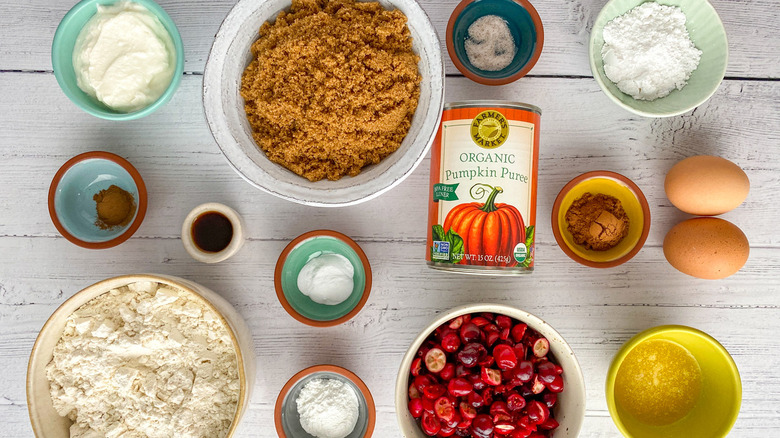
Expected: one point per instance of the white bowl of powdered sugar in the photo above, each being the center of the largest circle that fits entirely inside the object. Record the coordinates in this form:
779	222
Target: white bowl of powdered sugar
658	59
142	356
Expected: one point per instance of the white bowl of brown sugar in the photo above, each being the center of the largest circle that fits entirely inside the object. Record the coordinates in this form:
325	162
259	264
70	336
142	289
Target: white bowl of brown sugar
319	102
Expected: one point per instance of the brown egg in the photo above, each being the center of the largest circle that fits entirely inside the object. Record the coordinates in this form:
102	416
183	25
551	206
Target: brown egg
706	247
706	185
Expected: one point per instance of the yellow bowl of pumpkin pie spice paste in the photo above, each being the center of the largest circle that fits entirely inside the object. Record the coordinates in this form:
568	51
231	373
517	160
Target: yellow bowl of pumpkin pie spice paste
631	199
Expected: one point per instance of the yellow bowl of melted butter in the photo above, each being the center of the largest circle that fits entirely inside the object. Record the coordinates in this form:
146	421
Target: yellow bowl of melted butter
673	381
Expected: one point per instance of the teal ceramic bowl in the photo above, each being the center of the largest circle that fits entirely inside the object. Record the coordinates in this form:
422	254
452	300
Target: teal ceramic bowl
72	207
708	35
524	24
293	259
62	59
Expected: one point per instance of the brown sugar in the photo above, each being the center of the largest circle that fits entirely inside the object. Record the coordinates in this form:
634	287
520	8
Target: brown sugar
597	222
115	207
332	87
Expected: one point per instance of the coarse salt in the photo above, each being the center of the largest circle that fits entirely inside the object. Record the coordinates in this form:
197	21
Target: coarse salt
647	51
489	44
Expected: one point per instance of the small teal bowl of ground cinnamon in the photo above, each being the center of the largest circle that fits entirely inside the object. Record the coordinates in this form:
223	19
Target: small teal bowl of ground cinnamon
97	200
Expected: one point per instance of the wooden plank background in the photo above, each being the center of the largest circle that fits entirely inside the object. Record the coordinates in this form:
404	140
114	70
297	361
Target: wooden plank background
595	310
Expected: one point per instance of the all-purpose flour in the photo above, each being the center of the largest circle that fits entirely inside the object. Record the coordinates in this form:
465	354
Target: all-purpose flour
328	408
647	51
145	360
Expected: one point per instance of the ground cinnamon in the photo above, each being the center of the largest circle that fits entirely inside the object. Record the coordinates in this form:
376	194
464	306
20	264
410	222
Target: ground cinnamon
115	207
597	222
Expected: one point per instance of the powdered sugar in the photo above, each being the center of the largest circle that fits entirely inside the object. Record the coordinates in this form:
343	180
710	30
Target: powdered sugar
328	408
647	51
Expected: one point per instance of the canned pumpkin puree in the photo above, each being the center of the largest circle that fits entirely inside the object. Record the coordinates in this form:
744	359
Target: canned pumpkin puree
482	209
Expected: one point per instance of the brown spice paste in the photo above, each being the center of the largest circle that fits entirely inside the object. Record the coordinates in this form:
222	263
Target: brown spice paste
597	222
115	207
332	87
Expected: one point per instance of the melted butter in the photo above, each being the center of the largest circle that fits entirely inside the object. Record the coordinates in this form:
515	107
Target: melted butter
658	382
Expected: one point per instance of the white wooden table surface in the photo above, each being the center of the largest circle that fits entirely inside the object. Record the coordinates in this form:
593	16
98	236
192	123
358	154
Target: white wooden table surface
595	310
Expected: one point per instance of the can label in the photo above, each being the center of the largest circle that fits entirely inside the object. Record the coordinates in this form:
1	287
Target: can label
482	206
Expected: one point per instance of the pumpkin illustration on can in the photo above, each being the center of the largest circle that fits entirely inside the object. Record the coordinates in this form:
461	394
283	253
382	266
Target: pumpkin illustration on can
488	228
483	189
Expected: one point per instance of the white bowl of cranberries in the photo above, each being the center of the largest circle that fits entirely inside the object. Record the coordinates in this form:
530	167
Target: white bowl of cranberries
490	371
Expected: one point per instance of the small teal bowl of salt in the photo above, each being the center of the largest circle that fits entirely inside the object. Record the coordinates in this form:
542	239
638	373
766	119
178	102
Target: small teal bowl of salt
62	59
520	20
303	250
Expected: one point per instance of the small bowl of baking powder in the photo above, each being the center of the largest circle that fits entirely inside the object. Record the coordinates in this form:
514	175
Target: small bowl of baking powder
494	42
325	401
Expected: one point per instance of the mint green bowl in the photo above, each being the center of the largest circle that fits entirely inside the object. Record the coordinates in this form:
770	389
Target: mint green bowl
62	59
708	35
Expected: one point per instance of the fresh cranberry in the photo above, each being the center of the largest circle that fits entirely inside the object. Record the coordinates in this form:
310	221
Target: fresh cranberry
482	426
435	359
538	385
499	407
421	381
413	392
515	402
470	354
556	385
518	331
434	391
491	338
469	332
459	387
503	321
546	371
524	371
430	424
450	342
491	376
504	334
444	409
427	404
416	366
446	431
520	433
550	424
461	370
503	427
467	411
479	321
448	372
477	382
550	398
487	396
537	412
519	350
456	322
415	407
541	347
475	399
505	357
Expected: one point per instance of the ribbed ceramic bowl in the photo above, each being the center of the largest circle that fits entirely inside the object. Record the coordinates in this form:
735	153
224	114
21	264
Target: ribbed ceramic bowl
227	119
46	423
717	407
287	419
708	35
62	59
570	409
631	198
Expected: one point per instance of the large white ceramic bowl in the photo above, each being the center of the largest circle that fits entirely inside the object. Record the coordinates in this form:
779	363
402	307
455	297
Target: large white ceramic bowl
570	408
227	120
46	423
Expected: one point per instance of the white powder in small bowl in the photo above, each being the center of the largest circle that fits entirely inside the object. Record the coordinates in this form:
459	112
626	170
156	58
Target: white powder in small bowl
489	44
328	408
647	51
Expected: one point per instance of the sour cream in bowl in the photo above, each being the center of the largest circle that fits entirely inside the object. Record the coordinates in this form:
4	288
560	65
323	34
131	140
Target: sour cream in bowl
118	61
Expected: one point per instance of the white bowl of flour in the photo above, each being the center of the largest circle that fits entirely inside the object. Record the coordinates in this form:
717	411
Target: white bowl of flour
629	46
152	354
